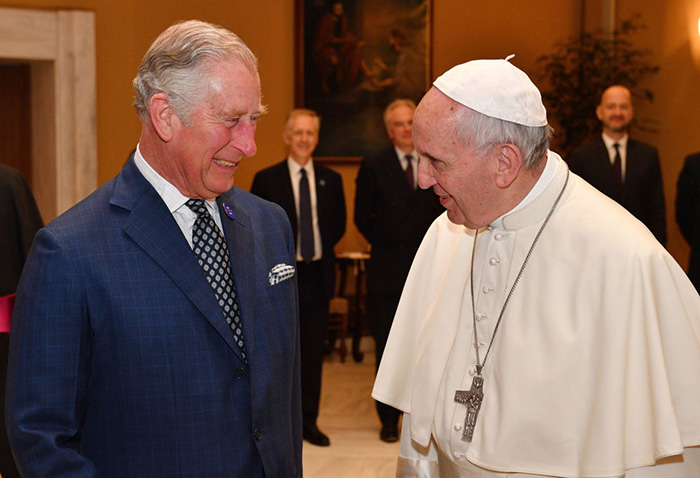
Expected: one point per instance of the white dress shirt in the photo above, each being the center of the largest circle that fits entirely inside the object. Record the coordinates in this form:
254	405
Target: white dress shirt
610	145
404	163
174	199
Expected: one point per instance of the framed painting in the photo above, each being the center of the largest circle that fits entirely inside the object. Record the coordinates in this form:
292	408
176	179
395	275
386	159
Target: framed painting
353	58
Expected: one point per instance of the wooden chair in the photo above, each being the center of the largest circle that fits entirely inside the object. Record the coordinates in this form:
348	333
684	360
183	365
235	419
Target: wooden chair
338	326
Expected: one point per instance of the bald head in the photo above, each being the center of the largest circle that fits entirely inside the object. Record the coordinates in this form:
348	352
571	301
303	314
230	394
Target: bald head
615	111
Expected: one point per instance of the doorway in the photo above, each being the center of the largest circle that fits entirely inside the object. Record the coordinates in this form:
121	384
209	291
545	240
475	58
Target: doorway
50	55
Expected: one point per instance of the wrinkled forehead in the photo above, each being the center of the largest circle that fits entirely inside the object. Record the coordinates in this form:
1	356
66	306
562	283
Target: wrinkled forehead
435	109
435	122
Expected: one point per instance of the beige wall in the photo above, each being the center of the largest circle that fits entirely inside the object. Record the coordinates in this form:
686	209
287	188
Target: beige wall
462	30
672	36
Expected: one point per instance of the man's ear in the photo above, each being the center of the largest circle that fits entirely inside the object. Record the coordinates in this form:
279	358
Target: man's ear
599	112
510	161
162	116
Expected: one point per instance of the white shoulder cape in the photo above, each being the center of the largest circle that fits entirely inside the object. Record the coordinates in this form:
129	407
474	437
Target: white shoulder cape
596	369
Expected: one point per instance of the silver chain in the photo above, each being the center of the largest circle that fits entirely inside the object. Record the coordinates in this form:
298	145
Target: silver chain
480	365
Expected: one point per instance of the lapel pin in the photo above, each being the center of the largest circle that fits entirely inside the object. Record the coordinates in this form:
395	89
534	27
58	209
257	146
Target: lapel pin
322	182
229	211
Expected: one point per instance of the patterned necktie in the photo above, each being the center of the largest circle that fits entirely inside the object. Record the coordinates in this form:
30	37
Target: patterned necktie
306	228
209	246
409	171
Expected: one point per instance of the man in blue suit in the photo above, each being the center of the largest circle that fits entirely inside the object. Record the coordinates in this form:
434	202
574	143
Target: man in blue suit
130	353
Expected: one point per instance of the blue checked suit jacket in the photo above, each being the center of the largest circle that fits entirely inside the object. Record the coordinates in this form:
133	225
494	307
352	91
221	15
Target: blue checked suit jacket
121	362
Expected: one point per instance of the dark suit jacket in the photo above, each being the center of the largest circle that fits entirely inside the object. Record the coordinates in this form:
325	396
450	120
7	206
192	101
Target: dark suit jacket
688	212
643	192
393	218
274	184
121	362
19	220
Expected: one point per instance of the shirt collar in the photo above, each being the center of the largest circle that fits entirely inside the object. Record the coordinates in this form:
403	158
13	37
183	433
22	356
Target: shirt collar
541	184
609	142
172	198
295	168
402	156
539	200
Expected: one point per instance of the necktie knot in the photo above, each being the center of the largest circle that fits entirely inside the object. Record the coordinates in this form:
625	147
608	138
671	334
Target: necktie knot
198	206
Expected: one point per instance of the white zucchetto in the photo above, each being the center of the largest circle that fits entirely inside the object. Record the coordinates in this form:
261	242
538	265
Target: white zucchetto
495	88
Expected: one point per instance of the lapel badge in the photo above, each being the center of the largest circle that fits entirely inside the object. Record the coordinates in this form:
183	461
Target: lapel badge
322	182
229	211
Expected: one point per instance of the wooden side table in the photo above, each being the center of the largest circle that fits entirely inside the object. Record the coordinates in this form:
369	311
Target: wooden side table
354	263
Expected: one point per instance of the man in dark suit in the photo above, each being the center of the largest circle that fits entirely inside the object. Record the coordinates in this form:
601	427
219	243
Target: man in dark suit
623	169
688	212
393	215
19	220
312	196
156	328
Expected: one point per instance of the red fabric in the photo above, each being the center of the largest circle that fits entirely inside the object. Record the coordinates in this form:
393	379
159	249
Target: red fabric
7	305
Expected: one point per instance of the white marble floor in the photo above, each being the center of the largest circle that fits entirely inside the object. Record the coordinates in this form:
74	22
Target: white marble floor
348	417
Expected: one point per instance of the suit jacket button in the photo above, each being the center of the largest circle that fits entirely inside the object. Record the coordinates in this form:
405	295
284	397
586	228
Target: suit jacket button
240	373
257	434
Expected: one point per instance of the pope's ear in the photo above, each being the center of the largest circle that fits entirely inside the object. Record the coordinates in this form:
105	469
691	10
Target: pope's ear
162	116
510	161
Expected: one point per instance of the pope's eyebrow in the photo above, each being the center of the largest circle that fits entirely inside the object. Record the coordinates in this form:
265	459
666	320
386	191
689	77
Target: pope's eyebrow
428	156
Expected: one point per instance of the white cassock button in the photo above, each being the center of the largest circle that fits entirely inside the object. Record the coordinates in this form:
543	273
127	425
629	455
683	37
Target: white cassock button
472	371
498	237
485	290
457	455
493	261
458	427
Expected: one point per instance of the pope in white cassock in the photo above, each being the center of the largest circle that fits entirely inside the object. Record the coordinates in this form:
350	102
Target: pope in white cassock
542	331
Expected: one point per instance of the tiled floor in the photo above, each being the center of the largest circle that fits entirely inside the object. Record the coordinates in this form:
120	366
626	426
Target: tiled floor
350	420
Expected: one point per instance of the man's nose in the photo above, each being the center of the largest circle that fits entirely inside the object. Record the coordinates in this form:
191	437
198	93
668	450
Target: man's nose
244	139
425	175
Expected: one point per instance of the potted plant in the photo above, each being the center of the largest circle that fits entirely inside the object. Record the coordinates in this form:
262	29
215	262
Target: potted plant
580	68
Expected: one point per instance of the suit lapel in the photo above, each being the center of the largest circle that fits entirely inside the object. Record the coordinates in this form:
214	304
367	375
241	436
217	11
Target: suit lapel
153	228
238	231
603	158
284	194
631	164
285	183
395	171
322	199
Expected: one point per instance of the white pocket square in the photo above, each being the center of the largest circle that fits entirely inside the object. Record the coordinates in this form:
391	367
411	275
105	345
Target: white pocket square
280	272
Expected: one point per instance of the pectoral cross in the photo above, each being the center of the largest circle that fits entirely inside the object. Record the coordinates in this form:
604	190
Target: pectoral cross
472	400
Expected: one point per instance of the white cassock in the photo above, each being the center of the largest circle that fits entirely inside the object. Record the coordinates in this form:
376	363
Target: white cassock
595	369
